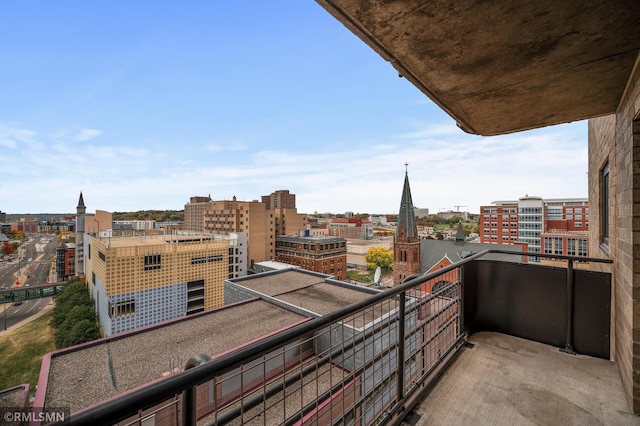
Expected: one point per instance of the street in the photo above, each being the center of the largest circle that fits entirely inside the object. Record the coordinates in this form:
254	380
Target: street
31	267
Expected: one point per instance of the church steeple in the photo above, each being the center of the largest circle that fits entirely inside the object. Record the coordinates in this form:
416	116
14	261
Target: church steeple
406	244
406	227
81	209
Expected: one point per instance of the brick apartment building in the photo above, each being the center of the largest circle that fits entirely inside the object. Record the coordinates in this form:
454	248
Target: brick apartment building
527	219
28	225
56	226
351	228
65	261
567	244
327	255
280	199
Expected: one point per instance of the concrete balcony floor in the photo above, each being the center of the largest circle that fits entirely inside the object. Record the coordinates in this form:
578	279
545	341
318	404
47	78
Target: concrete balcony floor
505	380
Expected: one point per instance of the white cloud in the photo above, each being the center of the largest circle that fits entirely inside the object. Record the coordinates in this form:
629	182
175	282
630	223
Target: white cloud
8	143
88	134
444	171
230	146
11	136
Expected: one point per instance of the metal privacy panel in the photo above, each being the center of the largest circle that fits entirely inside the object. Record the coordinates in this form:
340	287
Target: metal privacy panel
530	301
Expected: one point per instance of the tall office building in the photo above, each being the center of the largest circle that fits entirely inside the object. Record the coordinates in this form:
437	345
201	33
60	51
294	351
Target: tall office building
256	219
194	213
280	199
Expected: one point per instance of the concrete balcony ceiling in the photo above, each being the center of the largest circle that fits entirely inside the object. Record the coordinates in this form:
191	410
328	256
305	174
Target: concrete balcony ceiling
504	66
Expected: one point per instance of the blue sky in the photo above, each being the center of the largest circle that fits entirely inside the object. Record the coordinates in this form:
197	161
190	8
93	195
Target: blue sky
143	104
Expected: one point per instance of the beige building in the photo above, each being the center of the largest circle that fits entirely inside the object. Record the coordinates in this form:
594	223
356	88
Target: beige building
98	223
138	281
194	213
254	218
289	221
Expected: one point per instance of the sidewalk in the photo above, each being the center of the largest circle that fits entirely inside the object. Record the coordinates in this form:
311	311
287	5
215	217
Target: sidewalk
14	327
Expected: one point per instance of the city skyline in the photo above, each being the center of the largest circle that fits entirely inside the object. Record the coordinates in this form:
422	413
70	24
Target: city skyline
143	106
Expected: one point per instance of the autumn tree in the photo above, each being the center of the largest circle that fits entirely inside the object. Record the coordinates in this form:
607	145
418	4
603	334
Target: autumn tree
8	248
17	235
379	256
62	235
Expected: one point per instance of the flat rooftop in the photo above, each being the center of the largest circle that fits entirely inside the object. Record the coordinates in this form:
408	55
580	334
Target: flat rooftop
278	283
505	381
315	294
149	240
15	397
322	299
82	377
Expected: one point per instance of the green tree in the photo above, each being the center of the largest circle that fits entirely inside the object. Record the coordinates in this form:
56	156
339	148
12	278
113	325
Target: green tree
379	256
74	293
73	316
84	331
81	331
66	333
455	219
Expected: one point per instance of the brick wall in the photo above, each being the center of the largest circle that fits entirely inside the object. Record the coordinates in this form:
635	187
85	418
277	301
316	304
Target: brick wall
612	141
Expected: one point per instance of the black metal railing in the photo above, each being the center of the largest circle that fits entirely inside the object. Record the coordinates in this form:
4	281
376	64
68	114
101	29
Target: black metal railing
377	356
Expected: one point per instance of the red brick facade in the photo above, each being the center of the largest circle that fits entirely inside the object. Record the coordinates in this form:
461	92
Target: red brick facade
319	254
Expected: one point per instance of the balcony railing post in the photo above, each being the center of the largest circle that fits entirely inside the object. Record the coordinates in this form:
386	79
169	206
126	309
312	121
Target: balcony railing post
568	347
189	406
461	324
401	331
